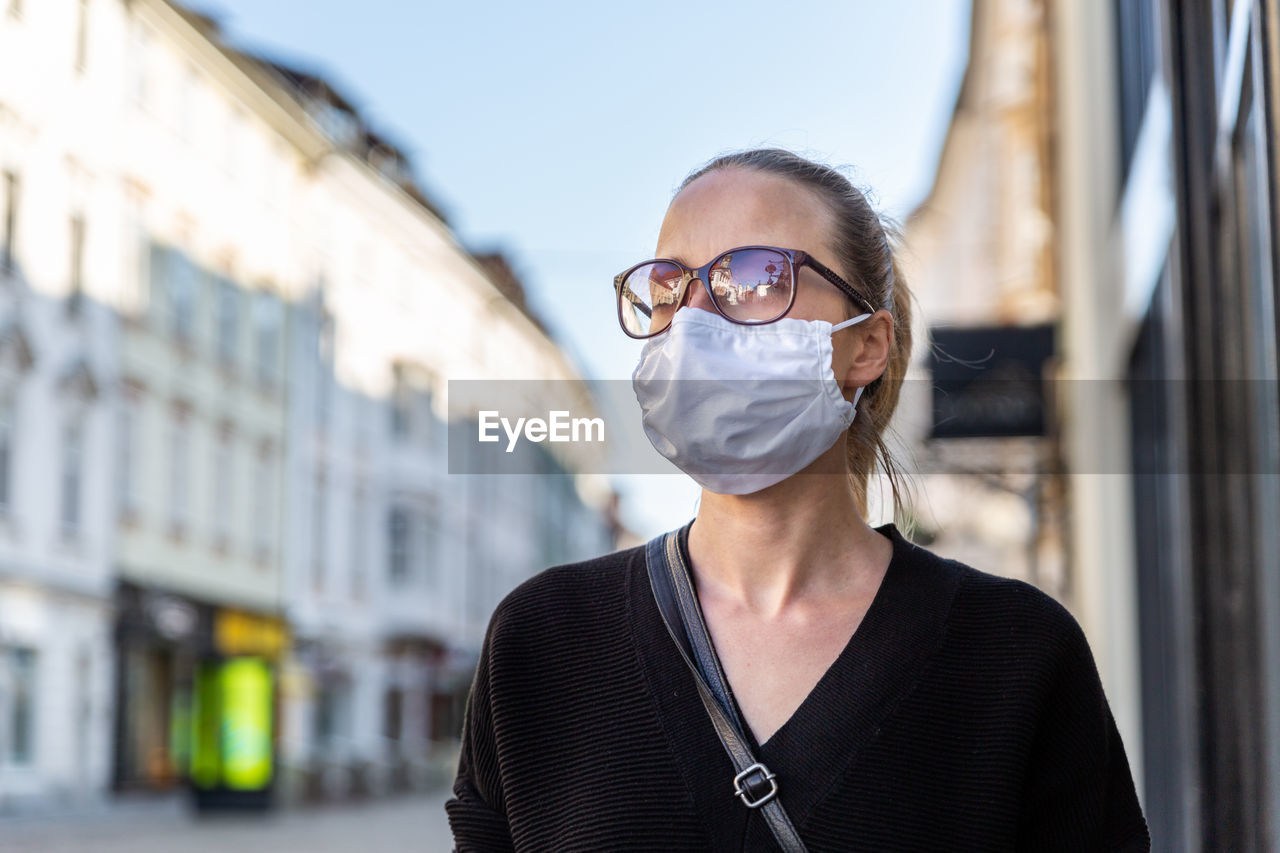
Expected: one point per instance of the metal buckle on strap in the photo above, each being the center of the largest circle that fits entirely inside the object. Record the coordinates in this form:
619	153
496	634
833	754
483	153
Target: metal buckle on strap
742	792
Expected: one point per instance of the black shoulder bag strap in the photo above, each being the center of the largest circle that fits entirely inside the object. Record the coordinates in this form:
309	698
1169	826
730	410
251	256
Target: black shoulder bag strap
678	603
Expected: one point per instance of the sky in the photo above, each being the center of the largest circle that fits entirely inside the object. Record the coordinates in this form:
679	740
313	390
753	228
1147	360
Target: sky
558	131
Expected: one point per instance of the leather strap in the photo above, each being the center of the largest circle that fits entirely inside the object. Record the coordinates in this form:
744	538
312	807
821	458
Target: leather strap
678	603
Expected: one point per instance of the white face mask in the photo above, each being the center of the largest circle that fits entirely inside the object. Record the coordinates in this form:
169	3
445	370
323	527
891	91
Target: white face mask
740	408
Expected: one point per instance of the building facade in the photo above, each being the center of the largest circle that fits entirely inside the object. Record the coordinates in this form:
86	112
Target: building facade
980	256
392	562
59	372
228	316
1135	178
1167	128
211	177
987	253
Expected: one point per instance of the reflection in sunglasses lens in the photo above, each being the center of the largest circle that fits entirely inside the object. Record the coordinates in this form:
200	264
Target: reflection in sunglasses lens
752	285
648	297
748	286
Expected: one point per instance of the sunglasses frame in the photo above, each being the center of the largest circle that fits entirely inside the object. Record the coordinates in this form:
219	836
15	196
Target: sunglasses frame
795	257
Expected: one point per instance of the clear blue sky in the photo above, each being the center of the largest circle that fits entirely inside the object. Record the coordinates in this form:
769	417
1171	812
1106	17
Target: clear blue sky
557	131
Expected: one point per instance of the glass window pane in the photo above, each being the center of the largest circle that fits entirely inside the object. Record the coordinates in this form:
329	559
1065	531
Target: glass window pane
22	666
72	450
6	454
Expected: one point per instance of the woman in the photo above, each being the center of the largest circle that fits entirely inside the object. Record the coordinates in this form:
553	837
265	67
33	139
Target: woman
893	700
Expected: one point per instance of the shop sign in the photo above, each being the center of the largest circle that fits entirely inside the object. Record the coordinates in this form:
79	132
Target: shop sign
989	381
236	632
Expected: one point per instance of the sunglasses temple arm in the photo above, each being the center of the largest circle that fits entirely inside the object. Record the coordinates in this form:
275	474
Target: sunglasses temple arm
834	277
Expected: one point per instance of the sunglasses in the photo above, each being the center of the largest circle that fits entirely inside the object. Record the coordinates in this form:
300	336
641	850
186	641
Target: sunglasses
750	285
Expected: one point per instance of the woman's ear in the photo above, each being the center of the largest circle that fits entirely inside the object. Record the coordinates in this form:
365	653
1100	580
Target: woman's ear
870	343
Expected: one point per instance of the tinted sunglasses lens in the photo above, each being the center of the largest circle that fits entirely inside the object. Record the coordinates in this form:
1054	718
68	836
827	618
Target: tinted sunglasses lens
752	285
648	298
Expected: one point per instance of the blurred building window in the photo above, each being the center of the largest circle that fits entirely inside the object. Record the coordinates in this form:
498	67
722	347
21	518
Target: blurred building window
157	269
82	35
223	483
431	545
326	711
264	502
393	714
179	449
325	332
363	415
358	539
319	530
477	567
127	437
266	331
1254	211
6	453
424	412
136	252
17	703
184	285
83	705
1137	46
401	404
174	288
72	474
76	260
398	545
412	404
228	321
9	249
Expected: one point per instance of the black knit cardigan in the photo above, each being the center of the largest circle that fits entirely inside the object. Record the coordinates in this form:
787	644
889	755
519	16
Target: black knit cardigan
965	713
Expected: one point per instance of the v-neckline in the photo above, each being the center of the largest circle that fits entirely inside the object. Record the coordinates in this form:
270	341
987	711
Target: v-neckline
824	735
818	688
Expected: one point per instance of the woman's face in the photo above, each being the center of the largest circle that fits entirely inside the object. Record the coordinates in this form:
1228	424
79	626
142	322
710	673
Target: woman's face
743	207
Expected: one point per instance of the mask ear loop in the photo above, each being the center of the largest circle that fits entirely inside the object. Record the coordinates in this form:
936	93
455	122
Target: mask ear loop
857	393
837	327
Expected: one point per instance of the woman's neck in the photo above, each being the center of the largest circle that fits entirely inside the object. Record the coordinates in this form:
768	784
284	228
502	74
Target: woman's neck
802	540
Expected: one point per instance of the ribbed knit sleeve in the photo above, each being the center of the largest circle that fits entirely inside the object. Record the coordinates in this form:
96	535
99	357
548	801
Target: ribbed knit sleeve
476	811
1079	793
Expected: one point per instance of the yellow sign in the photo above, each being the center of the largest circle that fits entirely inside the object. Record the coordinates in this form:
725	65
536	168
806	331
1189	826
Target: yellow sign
236	632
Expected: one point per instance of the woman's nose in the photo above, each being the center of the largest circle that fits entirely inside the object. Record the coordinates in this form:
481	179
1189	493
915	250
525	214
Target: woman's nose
696	296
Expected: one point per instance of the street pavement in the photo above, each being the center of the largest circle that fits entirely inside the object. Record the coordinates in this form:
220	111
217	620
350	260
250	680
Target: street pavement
407	823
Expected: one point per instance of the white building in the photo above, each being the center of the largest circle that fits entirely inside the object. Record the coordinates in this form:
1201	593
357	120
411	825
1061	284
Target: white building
148	369
58	399
227	320
393	565
207	172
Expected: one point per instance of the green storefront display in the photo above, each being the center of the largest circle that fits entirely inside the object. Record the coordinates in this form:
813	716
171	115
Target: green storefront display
232	761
